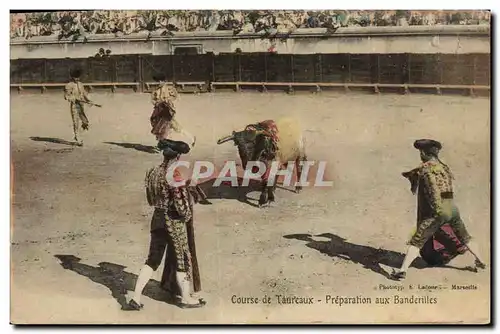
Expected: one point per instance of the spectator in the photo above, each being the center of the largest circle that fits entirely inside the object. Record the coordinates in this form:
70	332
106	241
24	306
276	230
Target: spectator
248	26
215	21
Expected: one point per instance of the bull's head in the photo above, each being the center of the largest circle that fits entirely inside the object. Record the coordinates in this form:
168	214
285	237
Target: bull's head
239	137
250	143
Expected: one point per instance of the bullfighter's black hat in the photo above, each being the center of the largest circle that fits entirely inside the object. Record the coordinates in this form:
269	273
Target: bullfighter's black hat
75	72
172	148
428	145
159	77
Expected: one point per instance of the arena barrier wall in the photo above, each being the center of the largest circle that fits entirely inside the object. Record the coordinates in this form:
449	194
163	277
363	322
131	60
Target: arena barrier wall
207	72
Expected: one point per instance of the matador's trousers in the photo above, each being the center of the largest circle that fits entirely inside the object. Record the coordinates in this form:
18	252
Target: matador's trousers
80	120
429	226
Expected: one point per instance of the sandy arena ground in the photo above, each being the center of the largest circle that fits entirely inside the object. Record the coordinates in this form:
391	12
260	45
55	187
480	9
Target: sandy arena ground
90	203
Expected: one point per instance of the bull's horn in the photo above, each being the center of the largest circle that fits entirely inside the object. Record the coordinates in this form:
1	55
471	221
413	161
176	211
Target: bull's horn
225	139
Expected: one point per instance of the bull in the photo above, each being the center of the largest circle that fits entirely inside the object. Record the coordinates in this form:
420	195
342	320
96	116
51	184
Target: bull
281	141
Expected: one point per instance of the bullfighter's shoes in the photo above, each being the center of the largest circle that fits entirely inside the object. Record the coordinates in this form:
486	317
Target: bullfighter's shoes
200	303
479	264
398	275
133	306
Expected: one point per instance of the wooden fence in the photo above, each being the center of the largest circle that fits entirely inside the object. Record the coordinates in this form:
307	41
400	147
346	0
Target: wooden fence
207	71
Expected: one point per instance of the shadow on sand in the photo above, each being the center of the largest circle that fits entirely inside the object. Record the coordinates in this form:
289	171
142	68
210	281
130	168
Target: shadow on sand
369	257
226	191
54	140
240	193
114	277
138	147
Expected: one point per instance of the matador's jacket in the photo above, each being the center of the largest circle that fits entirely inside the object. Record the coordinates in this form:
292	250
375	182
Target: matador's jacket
162	195
434	185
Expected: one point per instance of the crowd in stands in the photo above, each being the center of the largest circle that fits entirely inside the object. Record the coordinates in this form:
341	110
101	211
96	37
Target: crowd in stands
80	24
